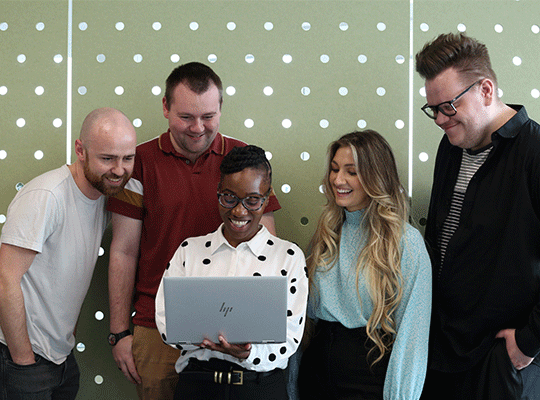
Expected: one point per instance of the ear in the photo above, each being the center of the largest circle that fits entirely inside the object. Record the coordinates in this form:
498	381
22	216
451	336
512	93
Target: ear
488	91
165	109
79	150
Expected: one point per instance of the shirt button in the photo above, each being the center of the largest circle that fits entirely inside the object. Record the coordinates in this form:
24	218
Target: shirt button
187	161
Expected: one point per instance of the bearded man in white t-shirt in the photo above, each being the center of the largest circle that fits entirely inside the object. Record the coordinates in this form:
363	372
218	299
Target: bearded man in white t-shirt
48	250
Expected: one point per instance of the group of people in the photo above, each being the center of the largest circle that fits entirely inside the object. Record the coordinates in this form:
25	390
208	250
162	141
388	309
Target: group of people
390	315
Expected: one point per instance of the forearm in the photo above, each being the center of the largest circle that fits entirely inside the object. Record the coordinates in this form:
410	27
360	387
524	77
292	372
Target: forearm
13	323
122	270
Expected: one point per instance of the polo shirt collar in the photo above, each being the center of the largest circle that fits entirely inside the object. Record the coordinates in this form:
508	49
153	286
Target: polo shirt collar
165	145
513	126
256	244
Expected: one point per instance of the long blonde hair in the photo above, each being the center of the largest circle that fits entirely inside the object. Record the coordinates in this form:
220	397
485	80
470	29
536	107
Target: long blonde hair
384	217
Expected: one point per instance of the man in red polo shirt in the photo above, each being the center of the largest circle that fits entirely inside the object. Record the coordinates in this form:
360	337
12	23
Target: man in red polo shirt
171	196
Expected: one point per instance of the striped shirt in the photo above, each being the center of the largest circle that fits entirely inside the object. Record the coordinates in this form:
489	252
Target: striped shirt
470	163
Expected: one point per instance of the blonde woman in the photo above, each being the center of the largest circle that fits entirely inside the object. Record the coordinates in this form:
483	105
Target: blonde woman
370	282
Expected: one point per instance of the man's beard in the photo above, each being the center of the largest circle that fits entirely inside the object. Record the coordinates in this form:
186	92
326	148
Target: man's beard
100	182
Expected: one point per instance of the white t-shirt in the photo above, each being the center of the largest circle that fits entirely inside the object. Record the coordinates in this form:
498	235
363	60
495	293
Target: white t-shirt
264	255
52	216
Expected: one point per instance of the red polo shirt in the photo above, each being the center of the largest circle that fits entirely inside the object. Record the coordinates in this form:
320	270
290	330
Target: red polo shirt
175	199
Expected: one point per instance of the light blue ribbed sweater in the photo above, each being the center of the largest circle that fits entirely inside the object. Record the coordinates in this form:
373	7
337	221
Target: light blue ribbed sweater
335	299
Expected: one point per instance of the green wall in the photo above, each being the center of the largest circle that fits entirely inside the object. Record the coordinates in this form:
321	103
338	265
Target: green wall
345	32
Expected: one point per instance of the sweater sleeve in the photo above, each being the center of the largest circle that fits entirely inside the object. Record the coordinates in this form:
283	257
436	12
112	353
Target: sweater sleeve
408	361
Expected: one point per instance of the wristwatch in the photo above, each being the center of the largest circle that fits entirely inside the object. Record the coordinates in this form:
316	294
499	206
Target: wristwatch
114	338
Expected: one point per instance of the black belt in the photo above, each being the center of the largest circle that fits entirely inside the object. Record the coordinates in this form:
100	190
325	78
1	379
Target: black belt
196	371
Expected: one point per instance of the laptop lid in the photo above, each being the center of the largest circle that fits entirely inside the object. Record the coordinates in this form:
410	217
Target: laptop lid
242	309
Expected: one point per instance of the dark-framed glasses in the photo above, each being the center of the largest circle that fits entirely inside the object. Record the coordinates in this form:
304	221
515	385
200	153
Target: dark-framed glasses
250	203
446	107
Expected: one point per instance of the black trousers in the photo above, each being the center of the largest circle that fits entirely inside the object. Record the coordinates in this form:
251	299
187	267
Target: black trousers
265	387
493	378
335	365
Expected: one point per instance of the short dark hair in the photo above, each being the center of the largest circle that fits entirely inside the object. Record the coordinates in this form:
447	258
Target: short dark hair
467	55
242	157
194	75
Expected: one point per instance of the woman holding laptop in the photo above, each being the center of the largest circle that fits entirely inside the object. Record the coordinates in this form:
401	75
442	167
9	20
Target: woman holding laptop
240	247
370	281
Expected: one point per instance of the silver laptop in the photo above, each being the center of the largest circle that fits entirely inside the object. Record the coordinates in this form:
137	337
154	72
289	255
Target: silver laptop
242	309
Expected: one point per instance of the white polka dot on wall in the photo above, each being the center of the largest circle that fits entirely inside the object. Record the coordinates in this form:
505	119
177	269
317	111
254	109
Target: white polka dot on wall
231	90
2	218
3	90
268	26
249	123
212	58
3	154
287	58
193	26
250	58
286	188
231	26
38	155
286	123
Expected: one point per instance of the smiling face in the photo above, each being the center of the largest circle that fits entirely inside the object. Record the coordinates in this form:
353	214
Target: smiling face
106	153
343	178
193	119
240	224
468	127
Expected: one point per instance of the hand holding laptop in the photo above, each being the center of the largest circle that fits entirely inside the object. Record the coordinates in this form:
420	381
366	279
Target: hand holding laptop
240	351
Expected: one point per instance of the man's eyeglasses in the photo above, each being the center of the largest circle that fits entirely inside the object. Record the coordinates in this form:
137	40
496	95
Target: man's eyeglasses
250	203
446	107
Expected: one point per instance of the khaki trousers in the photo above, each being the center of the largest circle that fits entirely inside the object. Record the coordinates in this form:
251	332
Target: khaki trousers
155	364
